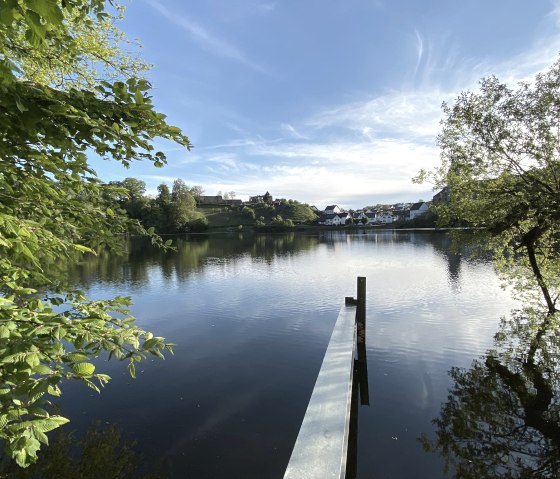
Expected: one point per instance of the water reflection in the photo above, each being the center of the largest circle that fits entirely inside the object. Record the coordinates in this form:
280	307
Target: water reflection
102	451
141	261
252	316
502	417
453	254
192	254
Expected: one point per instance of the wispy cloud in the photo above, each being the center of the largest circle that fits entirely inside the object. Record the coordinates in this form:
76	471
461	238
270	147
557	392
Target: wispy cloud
292	132
266	8
414	114
205	38
419	52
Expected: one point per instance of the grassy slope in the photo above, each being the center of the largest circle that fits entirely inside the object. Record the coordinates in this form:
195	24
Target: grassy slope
222	217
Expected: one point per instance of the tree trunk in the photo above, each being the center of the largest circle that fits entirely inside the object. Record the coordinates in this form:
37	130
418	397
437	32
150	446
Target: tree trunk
529	241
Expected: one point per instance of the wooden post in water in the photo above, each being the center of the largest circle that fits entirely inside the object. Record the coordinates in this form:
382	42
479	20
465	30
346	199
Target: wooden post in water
361	365
361	310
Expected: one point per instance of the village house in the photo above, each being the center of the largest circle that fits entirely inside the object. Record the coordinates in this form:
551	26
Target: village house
418	209
334	219
334	215
386	217
332	210
443	196
359	215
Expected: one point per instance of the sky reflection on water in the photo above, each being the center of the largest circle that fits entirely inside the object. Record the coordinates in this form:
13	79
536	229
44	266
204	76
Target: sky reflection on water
252	318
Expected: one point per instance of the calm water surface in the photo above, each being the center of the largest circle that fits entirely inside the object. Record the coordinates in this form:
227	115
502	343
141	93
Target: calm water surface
252	317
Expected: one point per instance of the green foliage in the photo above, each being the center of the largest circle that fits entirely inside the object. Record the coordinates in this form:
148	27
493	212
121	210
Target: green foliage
54	112
249	212
501	163
279	222
172	211
298	212
199	224
183	206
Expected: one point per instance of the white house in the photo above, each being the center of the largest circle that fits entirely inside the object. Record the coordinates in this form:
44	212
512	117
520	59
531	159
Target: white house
418	209
358	215
332	210
334	219
327	219
341	218
385	217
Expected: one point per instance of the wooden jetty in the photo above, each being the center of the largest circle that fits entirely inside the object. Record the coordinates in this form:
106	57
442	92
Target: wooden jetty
321	449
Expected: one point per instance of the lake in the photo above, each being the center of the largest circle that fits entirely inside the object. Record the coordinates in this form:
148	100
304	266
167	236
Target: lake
252	316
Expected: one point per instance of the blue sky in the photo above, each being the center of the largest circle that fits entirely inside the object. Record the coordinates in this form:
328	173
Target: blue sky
323	101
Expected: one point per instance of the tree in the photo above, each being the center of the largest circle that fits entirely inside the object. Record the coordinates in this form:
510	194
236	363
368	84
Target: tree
183	206
197	191
299	213
134	201
66	91
500	161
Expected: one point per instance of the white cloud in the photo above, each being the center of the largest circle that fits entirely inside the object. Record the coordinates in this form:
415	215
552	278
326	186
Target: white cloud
352	174
206	39
413	114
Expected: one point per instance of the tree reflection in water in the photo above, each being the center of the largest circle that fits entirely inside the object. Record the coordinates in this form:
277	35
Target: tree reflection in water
502	417
101	452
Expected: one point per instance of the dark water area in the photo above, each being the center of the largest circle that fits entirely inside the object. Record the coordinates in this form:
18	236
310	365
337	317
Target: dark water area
252	316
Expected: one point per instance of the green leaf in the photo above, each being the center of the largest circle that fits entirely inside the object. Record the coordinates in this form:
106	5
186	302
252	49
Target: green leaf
150	343
48	9
42	369
37	411
4	332
91	385
138	97
85	249
83	369
59	332
6	14
54	391
20	106
48	424
75	357
41	436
